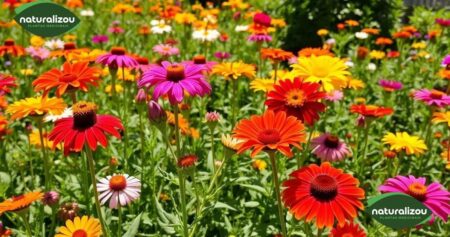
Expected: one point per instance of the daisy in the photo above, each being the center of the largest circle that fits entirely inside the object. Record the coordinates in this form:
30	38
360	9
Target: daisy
390	86
371	111
402	141
259	38
234	70
334	96
329	148
432	97
65	114
206	35
349	229
165	50
174	80
441	117
38	53
261	84
10	48
230	142
37	106
6	82
20	202
84	127
187	161
118	190
434	195
87	12
269	132
276	55
117	57
99	39
241	28
54	44
81	227
160	27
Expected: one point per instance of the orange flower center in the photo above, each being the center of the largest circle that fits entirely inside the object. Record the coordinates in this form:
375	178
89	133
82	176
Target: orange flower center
437	95
324	187
331	141
142	61
269	136
79	233
199	59
84	115
118	183
295	98
68	78
9	42
418	191
175	73
118	51
69	46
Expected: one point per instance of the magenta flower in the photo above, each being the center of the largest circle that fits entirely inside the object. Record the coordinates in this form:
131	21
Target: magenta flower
329	148
390	86
166	50
38	53
100	39
200	60
432	97
117	58
434	196
259	38
446	61
262	19
174	80
222	55
443	22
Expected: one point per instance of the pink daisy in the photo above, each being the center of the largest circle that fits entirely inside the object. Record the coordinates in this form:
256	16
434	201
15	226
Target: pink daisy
432	97
222	55
166	50
334	96
329	148
38	53
118	190
175	79
117	58
434	196
260	38
390	86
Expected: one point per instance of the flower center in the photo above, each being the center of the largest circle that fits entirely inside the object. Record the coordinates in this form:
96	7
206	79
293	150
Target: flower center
418	191
9	42
68	78
118	183
69	46
84	115
175	73
199	59
142	61
331	141
323	187
320	72
269	136
118	51
79	233
437	95
295	98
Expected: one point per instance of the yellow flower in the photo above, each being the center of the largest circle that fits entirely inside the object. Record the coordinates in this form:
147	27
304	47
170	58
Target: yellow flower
423	54
36	41
70	38
331	72
402	141
377	54
36	106
229	142
261	84
322	32
419	45
360	100
121	8
84	226
119	89
355	84
83	56
446	158
441	117
259	165
282	75
27	72
35	140
236	4
185	18
234	70
280	23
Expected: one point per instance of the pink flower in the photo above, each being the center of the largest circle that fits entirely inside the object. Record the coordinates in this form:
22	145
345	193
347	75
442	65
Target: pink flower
443	22
175	79
222	55
390	86
334	96
212	117
329	148
432	97
262	19
117	58
200	60
38	52
446	61
118	190
166	50
259	38
434	196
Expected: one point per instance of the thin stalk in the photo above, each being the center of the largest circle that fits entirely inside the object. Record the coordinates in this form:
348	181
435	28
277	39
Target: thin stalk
44	154
142	139
181	177
212	151
85	180
234	101
305	152
363	157
119	226
26	223
277	191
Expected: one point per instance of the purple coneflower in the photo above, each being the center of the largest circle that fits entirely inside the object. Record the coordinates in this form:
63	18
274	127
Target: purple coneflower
166	50
117	58
390	86
446	61
175	79
432	97
118	190
329	148
200	60
434	196
100	39
222	55
259	38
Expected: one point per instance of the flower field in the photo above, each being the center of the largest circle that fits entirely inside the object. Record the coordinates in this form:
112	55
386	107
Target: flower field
171	118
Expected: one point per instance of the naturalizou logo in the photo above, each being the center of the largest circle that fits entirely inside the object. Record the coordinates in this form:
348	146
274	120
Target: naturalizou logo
398	210
45	18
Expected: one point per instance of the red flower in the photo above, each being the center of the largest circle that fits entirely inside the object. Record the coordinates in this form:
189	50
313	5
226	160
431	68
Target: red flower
297	98
9	47
84	126
322	193
349	229
6	82
371	110
187	161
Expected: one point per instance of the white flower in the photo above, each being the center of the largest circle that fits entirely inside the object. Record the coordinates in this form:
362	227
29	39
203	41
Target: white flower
52	118
361	35
371	67
241	28
160	27
54	44
205	35
118	190
330	41
87	12
349	64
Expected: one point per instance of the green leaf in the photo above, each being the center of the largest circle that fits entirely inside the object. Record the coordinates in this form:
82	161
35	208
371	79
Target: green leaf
132	231
5	180
224	205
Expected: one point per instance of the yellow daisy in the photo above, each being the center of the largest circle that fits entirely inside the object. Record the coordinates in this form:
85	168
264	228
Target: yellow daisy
402	141
185	18
446	158
377	54
84	226
36	41
441	117
259	165
119	89
419	45
331	72
35	140
36	106
355	84
234	70
229	142
262	84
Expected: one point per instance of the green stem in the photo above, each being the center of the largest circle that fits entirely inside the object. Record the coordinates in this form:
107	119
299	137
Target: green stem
212	152
90	159
305	151
26	223
119	226
363	157
277	191
44	154
181	177
84	178
142	139
234	102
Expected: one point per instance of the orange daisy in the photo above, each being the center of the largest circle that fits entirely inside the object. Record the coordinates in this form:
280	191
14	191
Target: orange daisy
308	52
9	47
20	202
371	110
269	132
73	76
36	106
276	55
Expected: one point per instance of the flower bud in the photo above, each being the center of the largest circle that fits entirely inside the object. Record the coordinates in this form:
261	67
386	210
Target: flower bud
156	113
50	198
68	211
141	96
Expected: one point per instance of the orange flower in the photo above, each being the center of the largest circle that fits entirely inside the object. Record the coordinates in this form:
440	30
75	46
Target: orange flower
308	52
36	106
144	30
74	3
3	127
19	202
73	76
383	41
371	31
9	47
269	132
410	29
402	35
444	73
276	55
3	102
352	23
371	110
